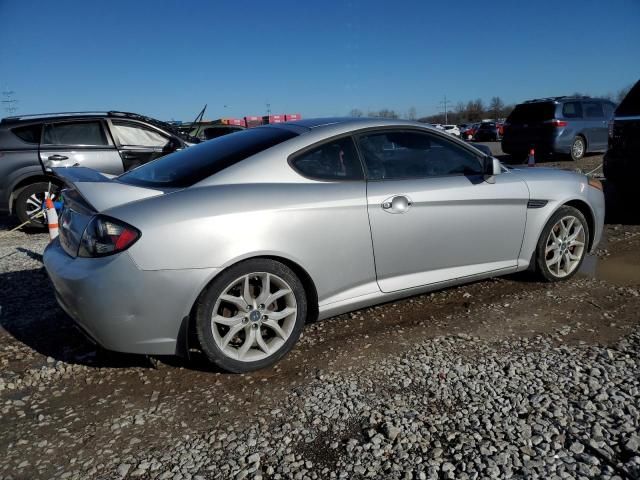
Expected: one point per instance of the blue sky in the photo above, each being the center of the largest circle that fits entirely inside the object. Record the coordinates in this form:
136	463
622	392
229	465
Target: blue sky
167	58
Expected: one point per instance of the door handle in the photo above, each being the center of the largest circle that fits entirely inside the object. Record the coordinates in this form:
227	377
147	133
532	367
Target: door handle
57	157
397	204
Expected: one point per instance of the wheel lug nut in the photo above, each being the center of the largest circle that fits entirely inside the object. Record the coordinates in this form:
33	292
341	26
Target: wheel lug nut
255	325
248	308
261	306
264	317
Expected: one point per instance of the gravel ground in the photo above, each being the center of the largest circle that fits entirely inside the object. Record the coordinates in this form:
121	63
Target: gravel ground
501	378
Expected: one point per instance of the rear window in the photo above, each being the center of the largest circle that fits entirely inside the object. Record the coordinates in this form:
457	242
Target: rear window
630	106
193	164
572	110
75	133
29	133
532	112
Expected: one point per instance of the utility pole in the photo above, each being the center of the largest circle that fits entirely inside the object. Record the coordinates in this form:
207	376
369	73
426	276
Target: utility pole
8	102
268	108
445	104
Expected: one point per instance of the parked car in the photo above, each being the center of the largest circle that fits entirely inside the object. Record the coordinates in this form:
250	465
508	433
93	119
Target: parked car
560	125
470	131
215	131
452	130
622	160
110	142
487	132
238	241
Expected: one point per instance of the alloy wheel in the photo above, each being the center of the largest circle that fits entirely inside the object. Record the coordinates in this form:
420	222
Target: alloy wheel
565	246
34	205
254	316
577	149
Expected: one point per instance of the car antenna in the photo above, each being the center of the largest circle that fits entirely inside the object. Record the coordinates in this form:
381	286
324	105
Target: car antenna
199	118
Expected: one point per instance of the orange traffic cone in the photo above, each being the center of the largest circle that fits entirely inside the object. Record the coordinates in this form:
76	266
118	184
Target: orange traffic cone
52	218
531	162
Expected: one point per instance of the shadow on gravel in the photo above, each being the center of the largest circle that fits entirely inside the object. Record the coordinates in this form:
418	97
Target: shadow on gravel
31	315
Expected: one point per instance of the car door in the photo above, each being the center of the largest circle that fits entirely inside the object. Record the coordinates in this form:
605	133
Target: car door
138	143
433	217
83	143
597	125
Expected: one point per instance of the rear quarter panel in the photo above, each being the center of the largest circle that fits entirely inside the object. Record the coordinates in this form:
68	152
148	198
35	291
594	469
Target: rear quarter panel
321	226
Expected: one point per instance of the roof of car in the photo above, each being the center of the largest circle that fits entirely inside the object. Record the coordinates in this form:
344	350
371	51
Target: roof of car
359	122
566	98
62	115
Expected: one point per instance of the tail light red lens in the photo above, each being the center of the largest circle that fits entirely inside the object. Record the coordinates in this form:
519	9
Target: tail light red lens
106	236
557	123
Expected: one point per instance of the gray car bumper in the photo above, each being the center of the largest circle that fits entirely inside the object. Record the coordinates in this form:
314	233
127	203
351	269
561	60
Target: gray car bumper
121	307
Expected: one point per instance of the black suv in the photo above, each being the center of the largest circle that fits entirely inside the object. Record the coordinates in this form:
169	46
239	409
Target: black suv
558	125
110	142
622	160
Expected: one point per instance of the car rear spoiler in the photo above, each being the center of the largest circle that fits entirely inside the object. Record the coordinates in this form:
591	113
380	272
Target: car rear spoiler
99	190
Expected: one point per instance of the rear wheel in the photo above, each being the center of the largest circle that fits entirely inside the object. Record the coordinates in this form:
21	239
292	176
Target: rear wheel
578	148
562	245
251	315
29	201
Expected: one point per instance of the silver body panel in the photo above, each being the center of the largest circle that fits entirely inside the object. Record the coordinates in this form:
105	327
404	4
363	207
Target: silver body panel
356	254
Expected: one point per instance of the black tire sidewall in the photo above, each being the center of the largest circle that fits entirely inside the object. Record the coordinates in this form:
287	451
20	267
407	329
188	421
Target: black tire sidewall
208	298
21	199
541	265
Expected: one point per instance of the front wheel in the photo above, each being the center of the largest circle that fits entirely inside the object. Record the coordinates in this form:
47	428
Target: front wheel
29	203
562	245
251	315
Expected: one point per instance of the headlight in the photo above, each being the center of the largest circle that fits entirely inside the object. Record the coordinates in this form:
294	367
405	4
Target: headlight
595	183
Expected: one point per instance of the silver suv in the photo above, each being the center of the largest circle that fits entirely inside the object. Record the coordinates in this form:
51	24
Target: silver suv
110	142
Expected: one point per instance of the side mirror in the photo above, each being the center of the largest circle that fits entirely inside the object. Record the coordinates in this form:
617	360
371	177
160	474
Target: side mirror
172	145
490	167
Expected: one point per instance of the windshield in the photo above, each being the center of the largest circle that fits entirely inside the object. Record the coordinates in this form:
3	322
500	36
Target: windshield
532	112
187	167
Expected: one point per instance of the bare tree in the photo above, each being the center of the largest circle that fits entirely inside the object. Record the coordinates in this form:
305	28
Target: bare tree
355	112
384	113
412	114
496	107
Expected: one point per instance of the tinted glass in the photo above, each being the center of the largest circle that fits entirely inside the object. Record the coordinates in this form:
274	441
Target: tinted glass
393	155
630	106
572	110
608	110
592	110
29	134
74	133
193	164
336	160
135	135
532	112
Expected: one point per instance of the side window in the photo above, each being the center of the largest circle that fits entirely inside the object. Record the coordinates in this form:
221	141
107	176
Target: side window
572	110
395	155
334	160
593	110
29	133
608	110
133	134
74	133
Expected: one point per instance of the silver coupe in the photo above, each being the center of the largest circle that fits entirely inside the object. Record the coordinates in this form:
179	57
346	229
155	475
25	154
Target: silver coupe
230	246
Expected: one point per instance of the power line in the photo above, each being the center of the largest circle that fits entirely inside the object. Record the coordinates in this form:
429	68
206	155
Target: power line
8	102
445	104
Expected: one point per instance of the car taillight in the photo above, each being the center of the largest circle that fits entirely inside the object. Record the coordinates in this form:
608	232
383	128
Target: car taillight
106	236
557	123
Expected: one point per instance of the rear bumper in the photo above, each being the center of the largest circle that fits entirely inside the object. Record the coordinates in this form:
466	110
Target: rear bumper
121	307
549	145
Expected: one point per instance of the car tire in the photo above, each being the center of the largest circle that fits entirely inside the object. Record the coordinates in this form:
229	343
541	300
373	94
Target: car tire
578	148
28	200
565	236
247	335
